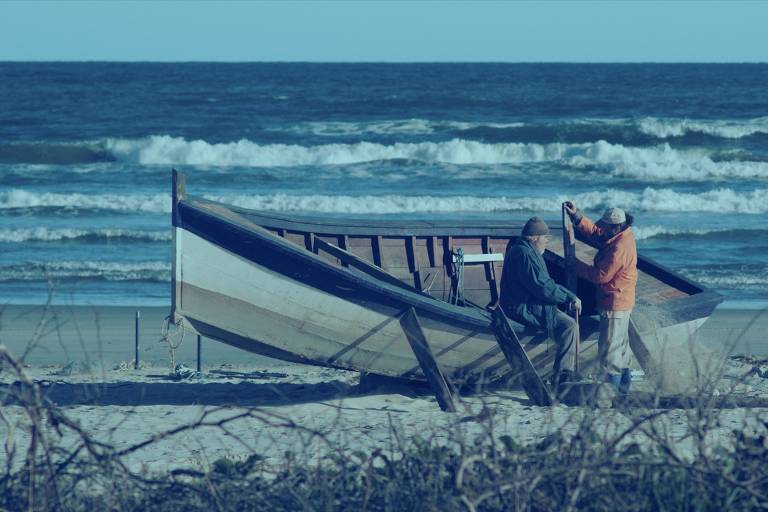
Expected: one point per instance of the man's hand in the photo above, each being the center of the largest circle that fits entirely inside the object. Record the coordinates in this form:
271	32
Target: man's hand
572	212
576	306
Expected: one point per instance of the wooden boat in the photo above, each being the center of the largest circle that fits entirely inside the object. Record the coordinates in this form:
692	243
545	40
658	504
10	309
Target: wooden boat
330	293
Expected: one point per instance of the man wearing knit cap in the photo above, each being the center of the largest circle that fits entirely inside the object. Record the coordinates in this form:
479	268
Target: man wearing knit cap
531	297
614	271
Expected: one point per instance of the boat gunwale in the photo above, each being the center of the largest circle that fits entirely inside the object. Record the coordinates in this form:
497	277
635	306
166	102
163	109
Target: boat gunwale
424	303
703	296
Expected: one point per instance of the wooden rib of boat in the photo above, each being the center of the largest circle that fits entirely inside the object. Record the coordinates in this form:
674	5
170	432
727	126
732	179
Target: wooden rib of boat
330	293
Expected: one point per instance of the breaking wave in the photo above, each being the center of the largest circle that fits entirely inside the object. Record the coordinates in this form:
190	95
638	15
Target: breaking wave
735	129
654	200
158	271
42	234
23	199
657	162
661	128
721	200
391	127
735	276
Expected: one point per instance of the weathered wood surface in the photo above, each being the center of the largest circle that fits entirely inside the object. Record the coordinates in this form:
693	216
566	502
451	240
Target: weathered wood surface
350	260
569	252
411	253
517	358
437	381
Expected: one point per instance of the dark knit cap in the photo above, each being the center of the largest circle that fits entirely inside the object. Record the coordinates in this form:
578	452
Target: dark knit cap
535	227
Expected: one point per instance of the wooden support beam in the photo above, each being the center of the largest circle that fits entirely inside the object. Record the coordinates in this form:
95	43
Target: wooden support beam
431	251
437	381
309	241
522	367
376	247
350	260
447	252
569	252
569	266
344	244
410	253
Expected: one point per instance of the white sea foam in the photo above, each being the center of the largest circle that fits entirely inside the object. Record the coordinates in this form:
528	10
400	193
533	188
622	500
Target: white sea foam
721	200
653	200
389	127
106	270
729	280
658	162
729	129
43	234
150	203
646	232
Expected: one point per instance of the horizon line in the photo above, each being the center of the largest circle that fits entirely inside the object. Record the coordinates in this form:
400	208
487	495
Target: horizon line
126	61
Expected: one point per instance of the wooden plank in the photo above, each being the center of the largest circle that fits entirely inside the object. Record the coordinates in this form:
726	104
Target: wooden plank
569	252
343	244
349	259
178	190
431	251
437	381
376	247
571	279
309	241
410	251
515	354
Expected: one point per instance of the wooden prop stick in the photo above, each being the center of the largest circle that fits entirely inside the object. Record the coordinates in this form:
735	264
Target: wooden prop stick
437	381
517	358
571	279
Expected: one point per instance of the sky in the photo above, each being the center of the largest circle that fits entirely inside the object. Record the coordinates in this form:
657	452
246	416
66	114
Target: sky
348	31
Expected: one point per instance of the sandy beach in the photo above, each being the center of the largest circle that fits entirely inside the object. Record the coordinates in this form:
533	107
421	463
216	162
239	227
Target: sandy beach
84	366
106	334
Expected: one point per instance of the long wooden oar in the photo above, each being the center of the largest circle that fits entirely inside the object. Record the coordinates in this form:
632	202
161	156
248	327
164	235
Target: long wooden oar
571	280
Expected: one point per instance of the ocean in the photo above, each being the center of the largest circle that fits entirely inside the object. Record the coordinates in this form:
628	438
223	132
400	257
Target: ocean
86	151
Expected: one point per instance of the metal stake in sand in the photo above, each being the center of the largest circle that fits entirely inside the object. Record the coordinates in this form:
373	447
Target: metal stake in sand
136	343
199	351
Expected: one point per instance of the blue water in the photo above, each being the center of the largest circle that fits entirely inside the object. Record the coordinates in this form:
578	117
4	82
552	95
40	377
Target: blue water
86	151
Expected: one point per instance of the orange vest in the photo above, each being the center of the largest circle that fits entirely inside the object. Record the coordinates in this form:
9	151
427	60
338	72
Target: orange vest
614	270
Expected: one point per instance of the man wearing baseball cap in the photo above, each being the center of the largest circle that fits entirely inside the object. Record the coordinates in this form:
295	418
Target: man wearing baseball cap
614	271
530	296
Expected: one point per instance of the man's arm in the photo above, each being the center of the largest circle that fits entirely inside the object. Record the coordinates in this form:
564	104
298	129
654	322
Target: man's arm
588	228
542	286
603	271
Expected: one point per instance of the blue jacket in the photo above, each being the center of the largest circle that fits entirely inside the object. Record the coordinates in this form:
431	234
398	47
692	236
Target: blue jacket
528	294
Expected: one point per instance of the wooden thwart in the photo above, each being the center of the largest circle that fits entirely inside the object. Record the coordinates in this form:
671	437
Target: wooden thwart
350	260
437	381
521	365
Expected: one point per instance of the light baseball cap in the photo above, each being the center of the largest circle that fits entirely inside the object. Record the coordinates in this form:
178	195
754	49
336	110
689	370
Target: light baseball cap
614	216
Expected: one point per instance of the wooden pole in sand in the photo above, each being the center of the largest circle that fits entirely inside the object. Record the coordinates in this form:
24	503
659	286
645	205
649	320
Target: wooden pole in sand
136	343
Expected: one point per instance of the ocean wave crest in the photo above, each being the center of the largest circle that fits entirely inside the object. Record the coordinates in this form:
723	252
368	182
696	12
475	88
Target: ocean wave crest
734	276
720	200
661	128
42	234
23	199
657	162
157	271
390	127
728	129
652	200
